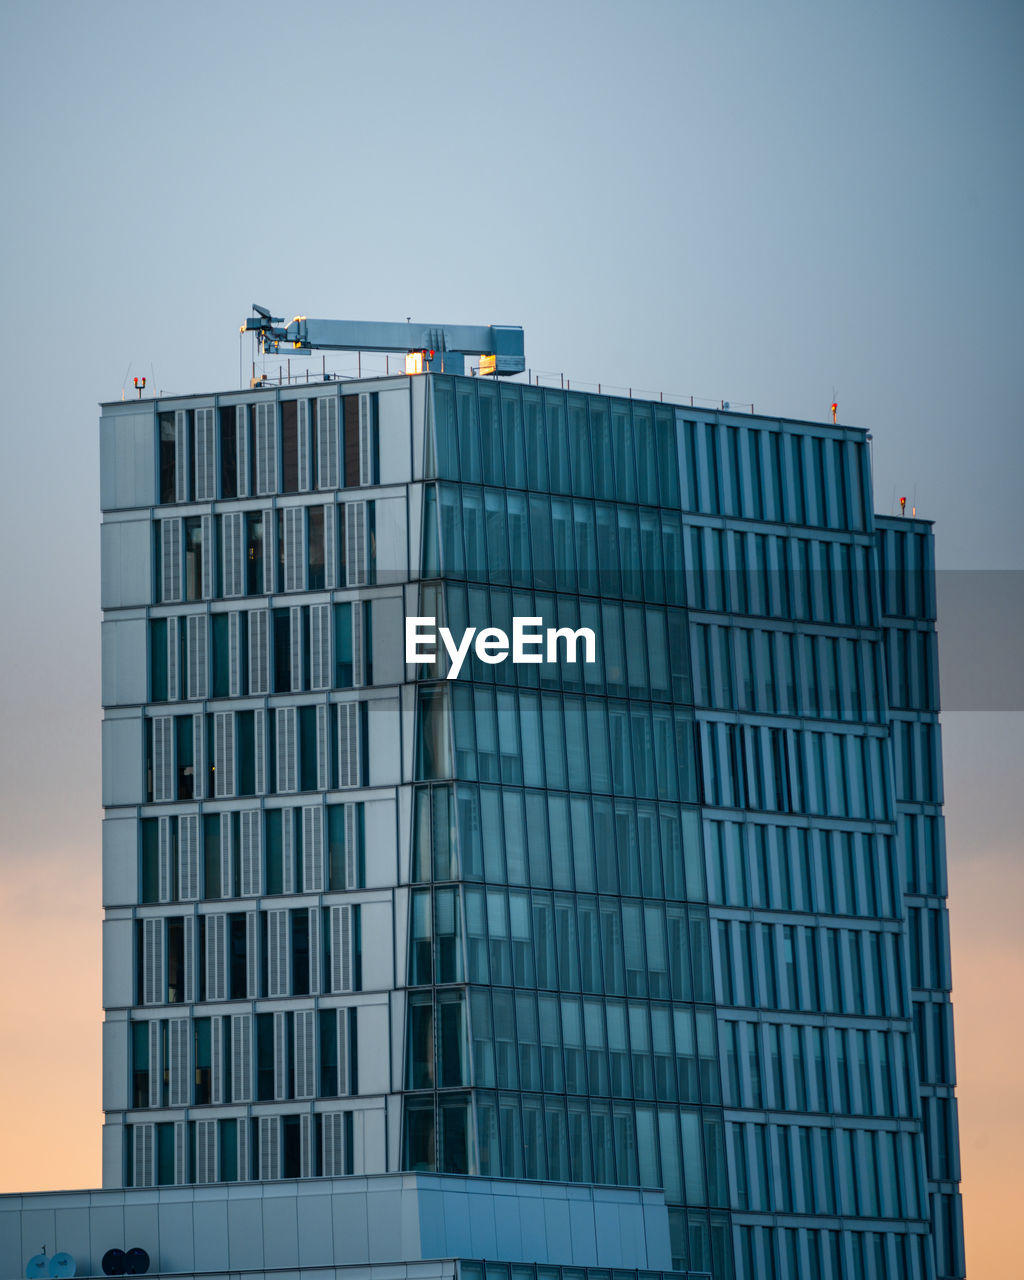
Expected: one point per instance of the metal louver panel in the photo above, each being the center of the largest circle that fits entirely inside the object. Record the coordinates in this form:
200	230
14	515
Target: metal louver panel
269	552
165	858
266	447
344	1083
199	779
224	753
232	533
316	964
209	564
278	953
330	545
206	1152
296	657
295	549
322	749
242	466
189	948
234	655
355	544
154	983
302	444
350	771
173	659
358	644
305	1145
287	750
142	1154
250	853
181	460
270	1148
217	1060
163	759
170	559
241	1059
288	849
216	956
333	1139
365	438
259	738
259	651
180	1152
252	955
206	456
198	665
188	857
244	1156
341	948
312	848
280	1056
178	1093
320	656
352	842
156	1066
227	850
328	445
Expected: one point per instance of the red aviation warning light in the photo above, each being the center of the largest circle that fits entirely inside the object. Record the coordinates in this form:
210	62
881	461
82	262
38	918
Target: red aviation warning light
903	506
140	385
835	409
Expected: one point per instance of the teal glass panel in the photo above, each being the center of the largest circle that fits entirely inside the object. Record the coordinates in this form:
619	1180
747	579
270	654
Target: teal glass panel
559	476
579	445
446	449
601	447
623	423
490	434
512	435
536	443
472	510
563	546
608	550
470	467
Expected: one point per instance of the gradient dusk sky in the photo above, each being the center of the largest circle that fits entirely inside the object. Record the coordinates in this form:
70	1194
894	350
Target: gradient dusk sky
768	203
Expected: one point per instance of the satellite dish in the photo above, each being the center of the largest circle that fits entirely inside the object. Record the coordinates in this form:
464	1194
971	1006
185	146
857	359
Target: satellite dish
138	1262
114	1262
62	1265
37	1267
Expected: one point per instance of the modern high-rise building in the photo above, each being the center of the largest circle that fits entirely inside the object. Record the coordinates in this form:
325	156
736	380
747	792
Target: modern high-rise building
671	919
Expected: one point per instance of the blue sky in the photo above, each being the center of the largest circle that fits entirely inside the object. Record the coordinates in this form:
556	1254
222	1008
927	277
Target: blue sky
759	203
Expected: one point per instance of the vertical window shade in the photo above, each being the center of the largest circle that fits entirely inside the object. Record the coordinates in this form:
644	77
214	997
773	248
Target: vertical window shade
241	1059
234	655
330	545
206	456
252	954
197	685
216	956
259	719
188	857
233	553
288	850
165	858
189	948
153	975
266	447
269	552
350	772
323	769
312	849
287	749
243	464
173	659
358	645
170	559
295	557
223	754
352	845
227	849
156	1068
251	853
179	1093
206	1152
278	953
281	1072
315	951
333	1136
296	648
143	1148
355	544
181	460
342	949
198	756
365	438
328	445
208	565
320	652
163	759
303	446
304	1064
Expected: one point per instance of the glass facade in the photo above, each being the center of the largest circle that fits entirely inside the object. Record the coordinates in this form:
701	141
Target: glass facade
674	918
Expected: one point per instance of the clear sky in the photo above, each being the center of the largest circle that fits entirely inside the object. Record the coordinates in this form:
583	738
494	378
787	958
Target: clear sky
768	203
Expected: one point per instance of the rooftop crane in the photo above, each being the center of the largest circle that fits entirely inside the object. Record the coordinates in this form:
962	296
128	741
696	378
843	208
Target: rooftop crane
500	347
